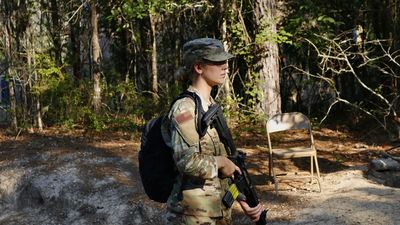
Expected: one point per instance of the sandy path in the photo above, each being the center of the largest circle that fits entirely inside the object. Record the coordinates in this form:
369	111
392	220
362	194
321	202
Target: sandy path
52	180
350	198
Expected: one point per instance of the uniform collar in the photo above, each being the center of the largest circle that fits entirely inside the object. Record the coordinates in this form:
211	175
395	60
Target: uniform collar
204	103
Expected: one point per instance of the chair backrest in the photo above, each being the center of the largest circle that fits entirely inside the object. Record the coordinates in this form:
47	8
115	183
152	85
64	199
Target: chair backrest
287	121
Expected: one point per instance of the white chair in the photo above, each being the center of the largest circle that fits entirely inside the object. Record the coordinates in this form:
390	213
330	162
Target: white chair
285	122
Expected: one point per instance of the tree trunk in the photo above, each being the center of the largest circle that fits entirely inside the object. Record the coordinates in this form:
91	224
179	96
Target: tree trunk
270	101
96	58
154	71
227	84
56	28
35	100
28	86
75	57
10	74
394	6
13	104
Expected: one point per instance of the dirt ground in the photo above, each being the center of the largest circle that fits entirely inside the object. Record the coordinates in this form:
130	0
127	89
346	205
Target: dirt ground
103	185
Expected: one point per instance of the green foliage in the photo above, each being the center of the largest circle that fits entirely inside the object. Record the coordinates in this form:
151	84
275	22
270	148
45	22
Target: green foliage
247	123
126	123
53	88
65	102
69	124
248	102
267	34
340	159
60	95
310	18
253	91
139	9
121	96
241	46
92	120
125	24
50	76
136	9
68	101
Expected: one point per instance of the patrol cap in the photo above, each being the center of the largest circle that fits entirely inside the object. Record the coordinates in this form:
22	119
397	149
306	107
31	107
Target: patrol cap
204	48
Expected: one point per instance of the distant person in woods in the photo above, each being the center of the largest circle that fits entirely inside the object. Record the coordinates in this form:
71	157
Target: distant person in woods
203	165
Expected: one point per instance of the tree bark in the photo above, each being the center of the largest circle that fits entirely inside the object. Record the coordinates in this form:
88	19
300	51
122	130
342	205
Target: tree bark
270	101
154	70
10	73
28	80
35	100
227	84
56	28
96	58
75	57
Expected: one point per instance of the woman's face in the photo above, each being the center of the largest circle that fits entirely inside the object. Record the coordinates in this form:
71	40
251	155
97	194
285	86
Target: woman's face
214	73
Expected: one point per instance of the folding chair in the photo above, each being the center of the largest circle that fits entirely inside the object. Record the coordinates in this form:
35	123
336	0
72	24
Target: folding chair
294	121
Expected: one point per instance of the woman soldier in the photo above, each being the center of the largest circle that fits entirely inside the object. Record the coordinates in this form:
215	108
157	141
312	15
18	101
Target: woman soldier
203	166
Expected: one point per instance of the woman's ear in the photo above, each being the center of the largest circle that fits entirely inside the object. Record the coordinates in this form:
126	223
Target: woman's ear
198	68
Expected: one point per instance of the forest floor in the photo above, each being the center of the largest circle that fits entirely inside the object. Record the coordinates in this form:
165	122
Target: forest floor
65	177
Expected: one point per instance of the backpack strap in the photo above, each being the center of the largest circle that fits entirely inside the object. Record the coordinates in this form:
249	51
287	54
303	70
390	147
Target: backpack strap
199	112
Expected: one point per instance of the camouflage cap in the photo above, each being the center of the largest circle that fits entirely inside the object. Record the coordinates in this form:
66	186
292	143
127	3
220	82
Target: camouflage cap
204	48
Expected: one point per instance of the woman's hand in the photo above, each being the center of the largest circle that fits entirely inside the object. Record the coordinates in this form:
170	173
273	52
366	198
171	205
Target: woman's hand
253	213
226	167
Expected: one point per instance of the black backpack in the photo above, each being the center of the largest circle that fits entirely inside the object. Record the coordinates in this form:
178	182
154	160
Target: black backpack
156	164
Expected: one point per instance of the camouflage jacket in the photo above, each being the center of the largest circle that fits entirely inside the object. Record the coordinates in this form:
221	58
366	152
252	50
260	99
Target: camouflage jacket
198	189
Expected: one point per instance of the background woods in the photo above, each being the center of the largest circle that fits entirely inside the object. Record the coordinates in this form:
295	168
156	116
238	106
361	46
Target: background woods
110	64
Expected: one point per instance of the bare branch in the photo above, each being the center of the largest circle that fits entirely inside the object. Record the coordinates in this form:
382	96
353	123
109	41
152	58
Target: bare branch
342	56
389	55
363	110
329	110
350	66
76	11
328	80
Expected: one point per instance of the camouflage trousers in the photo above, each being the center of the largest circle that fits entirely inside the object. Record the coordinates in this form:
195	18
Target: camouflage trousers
181	219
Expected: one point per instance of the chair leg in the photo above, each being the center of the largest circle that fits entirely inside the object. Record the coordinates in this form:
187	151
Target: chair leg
316	165
312	169
319	185
272	176
275	179
318	175
270	170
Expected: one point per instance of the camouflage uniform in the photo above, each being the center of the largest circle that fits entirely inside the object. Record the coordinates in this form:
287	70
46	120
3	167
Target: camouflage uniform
197	194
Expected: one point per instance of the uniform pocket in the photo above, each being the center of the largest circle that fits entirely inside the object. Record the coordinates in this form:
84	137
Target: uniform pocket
201	203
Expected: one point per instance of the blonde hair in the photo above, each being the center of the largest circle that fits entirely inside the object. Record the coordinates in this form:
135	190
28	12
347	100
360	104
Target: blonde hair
185	74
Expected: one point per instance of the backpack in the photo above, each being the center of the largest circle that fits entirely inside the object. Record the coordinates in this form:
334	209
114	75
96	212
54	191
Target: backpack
156	164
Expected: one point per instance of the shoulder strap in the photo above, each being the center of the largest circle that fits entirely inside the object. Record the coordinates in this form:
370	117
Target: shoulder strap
198	110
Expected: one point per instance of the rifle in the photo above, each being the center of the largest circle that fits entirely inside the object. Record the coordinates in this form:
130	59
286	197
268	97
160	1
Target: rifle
241	187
